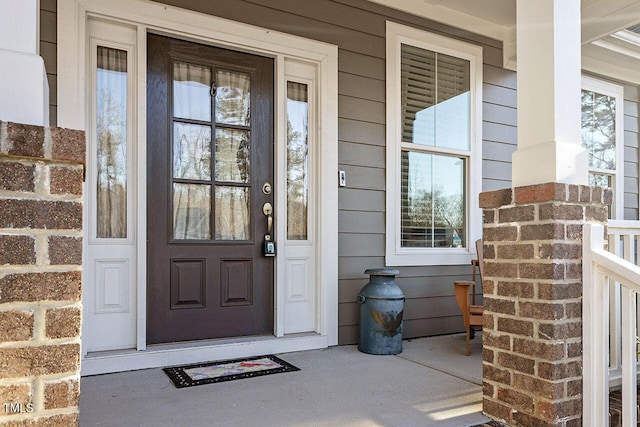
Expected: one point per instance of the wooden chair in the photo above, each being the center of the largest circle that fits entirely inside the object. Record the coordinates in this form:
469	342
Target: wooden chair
465	291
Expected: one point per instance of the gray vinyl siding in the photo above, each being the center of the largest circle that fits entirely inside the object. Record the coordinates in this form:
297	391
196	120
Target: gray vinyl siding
48	51
357	27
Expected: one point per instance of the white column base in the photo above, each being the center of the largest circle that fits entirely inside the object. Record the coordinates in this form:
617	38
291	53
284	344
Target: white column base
553	161
24	88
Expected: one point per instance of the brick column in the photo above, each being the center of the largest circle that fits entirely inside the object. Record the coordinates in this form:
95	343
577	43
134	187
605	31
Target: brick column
532	357
41	176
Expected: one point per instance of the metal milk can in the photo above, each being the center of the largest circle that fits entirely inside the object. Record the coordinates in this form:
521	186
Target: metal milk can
381	311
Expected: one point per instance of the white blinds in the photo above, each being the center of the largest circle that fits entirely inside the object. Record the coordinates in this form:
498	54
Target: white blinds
435	92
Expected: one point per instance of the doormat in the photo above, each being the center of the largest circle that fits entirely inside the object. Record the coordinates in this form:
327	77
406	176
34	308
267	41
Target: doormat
227	370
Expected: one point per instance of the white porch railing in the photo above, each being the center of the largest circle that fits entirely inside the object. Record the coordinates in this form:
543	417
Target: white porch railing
609	299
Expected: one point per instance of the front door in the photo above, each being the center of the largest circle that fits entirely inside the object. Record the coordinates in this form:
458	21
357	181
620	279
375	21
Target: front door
209	158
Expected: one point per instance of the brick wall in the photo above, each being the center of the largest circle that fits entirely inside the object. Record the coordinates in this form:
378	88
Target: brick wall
41	175
532	335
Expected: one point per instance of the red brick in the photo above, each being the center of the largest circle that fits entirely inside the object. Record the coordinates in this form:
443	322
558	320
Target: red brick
493	373
574	232
65	420
523	419
516	289
561	211
487	321
515	326
585	193
541	271
574	388
496	409
65	180
488	251
500	269
573	310
573	270
542	350
65	250
515	251
16	176
559	291
63	322
487	389
553	231
17	250
538	387
560	370
540	310
43	360
62	394
559	331
516	362
496	340
555	410
517	214
573	192
15	393
540	193
574	349
517	400
565	251
488	216
500	234
39	214
68	144
596	213
495	199
488	355
17	325
25	140
502	306
28	287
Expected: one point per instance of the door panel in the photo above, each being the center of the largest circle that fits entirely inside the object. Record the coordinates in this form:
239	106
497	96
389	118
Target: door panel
210	150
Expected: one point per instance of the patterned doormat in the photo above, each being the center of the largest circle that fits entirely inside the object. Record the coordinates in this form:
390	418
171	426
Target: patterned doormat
227	370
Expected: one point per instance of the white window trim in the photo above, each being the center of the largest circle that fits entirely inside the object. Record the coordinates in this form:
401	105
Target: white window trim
616	91
395	254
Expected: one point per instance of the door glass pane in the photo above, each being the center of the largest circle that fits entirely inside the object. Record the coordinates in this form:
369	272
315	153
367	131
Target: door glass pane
297	165
111	123
232	155
191	91
599	129
435	90
232	213
432	200
191	211
191	151
233	100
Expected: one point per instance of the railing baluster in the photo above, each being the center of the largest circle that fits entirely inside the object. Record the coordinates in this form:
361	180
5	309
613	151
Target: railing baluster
629	366
596	322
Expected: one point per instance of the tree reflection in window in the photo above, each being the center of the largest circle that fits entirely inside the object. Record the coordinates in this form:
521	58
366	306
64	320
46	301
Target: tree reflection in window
111	125
297	160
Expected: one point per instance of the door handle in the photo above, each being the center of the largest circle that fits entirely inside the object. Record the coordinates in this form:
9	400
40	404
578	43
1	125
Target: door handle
267	210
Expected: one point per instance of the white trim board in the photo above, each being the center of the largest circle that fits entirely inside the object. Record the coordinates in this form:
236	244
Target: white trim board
179	354
145	17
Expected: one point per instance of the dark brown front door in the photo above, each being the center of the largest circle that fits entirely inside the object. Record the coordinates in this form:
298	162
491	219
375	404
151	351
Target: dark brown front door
209	153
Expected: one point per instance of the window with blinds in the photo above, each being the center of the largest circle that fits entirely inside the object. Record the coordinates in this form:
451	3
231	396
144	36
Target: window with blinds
601	136
435	119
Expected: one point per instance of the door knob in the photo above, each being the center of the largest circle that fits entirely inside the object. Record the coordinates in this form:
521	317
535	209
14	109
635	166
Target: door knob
267	210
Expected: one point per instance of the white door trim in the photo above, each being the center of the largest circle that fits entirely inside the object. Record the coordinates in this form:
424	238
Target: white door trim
149	16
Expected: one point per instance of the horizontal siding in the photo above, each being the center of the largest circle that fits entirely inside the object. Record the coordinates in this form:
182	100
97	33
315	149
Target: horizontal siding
357	27
48	51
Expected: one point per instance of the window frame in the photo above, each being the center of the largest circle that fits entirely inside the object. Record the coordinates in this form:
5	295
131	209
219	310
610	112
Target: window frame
606	88
395	254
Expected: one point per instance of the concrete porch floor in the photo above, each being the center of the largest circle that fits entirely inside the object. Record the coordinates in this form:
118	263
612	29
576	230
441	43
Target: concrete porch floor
430	383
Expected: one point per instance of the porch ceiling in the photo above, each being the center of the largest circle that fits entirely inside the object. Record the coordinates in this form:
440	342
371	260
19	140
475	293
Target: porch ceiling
604	24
